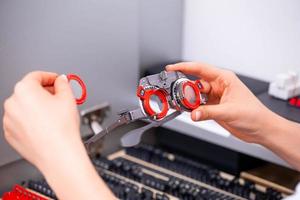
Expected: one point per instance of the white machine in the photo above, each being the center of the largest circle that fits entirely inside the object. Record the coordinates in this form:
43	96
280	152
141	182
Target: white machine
285	86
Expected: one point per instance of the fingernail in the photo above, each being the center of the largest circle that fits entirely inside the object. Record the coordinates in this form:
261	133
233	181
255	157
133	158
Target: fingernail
64	77
197	115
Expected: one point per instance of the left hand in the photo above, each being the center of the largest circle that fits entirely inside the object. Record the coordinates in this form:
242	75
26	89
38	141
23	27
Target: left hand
42	123
40	118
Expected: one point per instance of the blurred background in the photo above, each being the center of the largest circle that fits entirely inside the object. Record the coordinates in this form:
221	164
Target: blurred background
111	43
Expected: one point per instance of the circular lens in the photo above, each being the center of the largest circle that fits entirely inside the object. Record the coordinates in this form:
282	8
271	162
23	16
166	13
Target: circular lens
76	88
156	104
72	79
189	94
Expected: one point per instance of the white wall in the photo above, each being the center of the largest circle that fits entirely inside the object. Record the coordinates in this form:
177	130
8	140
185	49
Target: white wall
160	31
258	38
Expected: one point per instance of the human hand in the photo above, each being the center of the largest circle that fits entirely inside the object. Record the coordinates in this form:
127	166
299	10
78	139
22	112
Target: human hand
42	123
230	102
40	118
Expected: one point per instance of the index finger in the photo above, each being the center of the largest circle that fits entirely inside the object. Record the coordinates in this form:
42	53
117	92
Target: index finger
43	78
202	70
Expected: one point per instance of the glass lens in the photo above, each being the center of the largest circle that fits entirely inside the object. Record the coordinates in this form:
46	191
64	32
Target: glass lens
189	94
156	104
76	88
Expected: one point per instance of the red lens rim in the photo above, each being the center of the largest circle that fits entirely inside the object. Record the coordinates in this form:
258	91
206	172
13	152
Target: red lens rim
199	85
186	102
76	78
162	97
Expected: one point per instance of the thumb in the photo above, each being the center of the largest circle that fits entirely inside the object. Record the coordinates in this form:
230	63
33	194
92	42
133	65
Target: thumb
62	86
206	112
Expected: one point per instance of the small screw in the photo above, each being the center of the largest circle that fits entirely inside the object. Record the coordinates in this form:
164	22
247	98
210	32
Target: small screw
163	75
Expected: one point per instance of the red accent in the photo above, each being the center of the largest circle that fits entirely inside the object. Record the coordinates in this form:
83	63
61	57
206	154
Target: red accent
162	97
10	196
298	103
185	102
20	193
83	97
293	101
199	84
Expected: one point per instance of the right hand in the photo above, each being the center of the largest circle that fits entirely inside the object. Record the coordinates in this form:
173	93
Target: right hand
230	102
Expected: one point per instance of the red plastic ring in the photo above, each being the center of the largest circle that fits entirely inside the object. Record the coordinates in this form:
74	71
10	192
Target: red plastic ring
199	84
76	78
186	102
162	97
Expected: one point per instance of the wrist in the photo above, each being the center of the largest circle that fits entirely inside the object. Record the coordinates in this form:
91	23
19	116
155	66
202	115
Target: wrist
271	128
60	153
282	137
73	169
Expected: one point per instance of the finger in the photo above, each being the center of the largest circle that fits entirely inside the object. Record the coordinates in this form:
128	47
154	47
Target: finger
206	112
5	123
204	71
7	128
9	105
41	77
50	89
62	86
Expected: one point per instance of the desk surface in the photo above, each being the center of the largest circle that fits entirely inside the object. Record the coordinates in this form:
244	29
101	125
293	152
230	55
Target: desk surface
212	132
280	107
